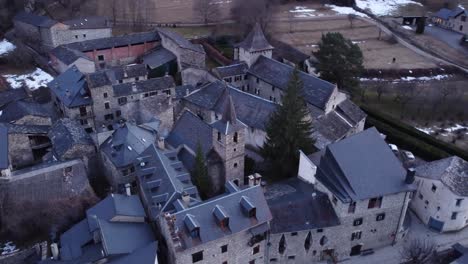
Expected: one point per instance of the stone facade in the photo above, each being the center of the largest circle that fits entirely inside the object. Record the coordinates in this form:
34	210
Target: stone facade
187	57
84	65
26	149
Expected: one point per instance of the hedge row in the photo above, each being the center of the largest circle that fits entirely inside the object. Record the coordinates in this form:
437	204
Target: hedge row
410	138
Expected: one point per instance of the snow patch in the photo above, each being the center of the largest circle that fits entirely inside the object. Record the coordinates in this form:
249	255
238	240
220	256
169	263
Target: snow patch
8	248
345	10
302	11
6	46
383	7
407	27
445	131
410	78
33	80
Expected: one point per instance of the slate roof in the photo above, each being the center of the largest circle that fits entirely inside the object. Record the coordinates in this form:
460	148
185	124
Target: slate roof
35	20
11	95
228	123
26	129
113	75
184	90
129	71
92	22
117	41
446	14
4	162
144	255
316	91
375	172
155	84
231	70
180	40
67	55
66	134
285	51
251	110
239	221
162	180
127	143
189	130
117	238
71	88
19	109
451	171
299	207
255	40
158	57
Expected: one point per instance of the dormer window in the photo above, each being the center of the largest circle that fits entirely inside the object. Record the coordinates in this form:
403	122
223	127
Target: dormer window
221	216
247	207
192	226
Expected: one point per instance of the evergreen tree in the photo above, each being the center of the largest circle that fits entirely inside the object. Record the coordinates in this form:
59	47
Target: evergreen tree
288	131
340	61
200	176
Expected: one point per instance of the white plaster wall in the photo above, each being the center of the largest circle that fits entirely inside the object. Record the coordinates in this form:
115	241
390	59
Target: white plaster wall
307	169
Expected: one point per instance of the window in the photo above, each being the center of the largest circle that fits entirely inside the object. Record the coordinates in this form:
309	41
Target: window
463	18
137	79
76	36
291	257
109	117
100	57
84	122
256	249
83	111
434	188
308	241
380	217
454	215
105	95
334	200
235	165
294	234
273	259
118	113
252	261
352	207
68	169
122	100
224	248
197	256
375	202
258	80
272	88
357	222
356	235
107	105
84	35
320	230
282	245
89	130
120	81
420	196
219	136
426	202
236	137
459	201
323	240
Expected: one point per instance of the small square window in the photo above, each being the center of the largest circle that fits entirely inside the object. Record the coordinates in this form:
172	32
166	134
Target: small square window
294	234
252	261
454	215
434	188
291	257
107	105
459	201
100	57
320	230
105	95
420	196
196	257
380	217
224	248
356	235
357	222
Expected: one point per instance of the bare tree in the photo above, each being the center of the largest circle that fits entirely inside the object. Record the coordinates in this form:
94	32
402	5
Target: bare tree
405	92
248	12
351	18
418	251
207	10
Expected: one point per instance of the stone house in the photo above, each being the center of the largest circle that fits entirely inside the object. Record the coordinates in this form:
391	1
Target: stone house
120	151
455	19
369	193
441	199
113	231
104	52
230	228
50	33
222	142
24	112
188	55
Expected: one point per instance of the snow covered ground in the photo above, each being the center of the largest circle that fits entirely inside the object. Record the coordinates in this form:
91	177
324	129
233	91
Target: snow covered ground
383	7
33	80
446	130
302	11
410	79
345	10
407	27
6	47
8	248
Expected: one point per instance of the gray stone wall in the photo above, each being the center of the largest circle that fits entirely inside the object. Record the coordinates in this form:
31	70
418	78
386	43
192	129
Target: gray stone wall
114	175
34	120
238	250
64	35
46	182
262	89
87	121
19	151
186	58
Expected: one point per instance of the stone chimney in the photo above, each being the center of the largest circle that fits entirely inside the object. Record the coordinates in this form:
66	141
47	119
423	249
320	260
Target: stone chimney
128	191
161	144
134	87
410	173
186	199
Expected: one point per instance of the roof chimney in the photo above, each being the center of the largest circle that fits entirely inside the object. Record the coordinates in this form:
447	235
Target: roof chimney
186	199
134	87
410	173
161	144
128	192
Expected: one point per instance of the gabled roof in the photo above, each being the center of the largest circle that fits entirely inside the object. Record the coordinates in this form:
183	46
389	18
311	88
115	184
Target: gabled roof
144	255
11	95
66	134
71	88
190	130
180	40
239	221
446	14
288	52
158	57
231	70
162	180
91	22
68	56
375	172
117	41
127	143
300	208
316	91
113	75
255	40
251	110
228	122
452	171
35	20
154	84
19	109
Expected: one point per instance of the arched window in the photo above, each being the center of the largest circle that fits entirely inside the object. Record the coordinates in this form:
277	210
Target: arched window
236	137
282	245
308	241
323	240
